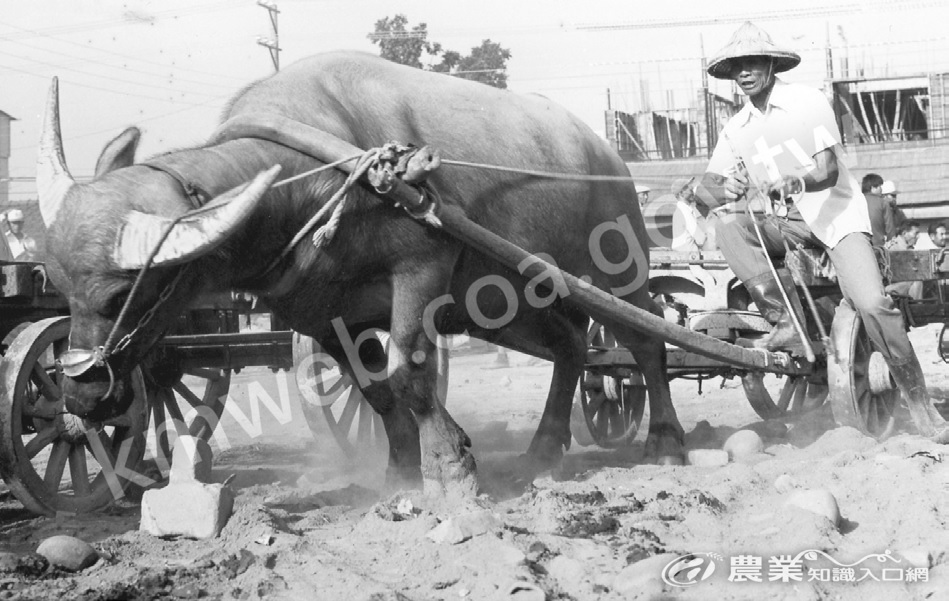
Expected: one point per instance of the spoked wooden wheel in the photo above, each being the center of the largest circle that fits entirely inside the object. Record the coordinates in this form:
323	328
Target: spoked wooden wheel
331	400
862	393
608	409
52	461
202	392
799	394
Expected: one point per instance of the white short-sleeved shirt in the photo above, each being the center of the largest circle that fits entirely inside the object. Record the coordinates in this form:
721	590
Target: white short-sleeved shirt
688	228
924	242
797	124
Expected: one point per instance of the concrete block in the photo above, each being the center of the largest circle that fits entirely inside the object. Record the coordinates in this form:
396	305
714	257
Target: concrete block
707	457
190	509
191	460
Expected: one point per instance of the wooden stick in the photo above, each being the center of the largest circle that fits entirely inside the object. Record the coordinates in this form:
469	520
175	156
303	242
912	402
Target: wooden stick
897	118
863	111
856	121
876	112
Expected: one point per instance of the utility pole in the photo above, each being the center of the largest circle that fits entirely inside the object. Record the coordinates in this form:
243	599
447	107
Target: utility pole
274	44
829	55
710	123
846	61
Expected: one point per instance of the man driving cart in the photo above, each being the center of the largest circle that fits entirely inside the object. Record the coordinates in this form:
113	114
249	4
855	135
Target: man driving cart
783	150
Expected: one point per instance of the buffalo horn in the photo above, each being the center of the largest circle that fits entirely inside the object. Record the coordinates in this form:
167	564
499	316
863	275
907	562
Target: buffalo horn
196	234
52	177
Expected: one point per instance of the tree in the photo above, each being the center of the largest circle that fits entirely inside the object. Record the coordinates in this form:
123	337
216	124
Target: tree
487	63
450	62
400	45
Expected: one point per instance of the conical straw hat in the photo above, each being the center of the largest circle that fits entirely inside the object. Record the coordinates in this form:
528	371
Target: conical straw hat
750	40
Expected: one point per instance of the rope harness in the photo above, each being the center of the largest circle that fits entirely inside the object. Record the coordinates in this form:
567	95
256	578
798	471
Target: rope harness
381	167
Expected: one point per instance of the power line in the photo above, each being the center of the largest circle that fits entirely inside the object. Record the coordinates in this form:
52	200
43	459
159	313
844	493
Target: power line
120	80
123	67
110	52
109	23
779	15
112	90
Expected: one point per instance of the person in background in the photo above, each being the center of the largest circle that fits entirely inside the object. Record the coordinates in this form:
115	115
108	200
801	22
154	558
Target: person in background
906	237
889	192
689	229
5	253
643	193
905	240
872	183
882	223
21	246
935	237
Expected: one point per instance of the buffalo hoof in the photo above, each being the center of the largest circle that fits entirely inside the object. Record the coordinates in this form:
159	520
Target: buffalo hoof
403	478
523	469
664	445
545	453
444	477
448	467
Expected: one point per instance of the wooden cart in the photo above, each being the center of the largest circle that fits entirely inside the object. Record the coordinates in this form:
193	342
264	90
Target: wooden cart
706	297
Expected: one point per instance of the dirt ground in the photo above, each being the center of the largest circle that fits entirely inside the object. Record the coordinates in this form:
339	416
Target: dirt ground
310	524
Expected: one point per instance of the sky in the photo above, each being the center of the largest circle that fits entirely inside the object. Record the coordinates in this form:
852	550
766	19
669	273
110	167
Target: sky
169	66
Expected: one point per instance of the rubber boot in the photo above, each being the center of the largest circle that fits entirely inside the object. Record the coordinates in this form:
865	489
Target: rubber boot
764	292
912	384
767	296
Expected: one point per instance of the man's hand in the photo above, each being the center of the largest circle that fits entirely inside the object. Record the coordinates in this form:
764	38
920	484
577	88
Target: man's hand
736	185
788	186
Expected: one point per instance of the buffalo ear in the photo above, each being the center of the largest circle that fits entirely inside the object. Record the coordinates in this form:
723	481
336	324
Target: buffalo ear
119	152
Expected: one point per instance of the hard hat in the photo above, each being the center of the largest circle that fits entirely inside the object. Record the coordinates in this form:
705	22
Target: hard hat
14	215
888	188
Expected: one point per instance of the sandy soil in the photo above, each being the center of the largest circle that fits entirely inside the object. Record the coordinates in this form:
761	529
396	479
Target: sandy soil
311	524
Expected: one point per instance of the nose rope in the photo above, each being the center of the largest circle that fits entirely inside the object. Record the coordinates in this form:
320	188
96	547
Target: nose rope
107	347
100	355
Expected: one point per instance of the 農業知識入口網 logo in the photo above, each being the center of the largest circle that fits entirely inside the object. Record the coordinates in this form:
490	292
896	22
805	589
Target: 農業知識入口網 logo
691	569
810	565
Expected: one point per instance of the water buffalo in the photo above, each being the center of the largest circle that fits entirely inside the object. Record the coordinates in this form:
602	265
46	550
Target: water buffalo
382	268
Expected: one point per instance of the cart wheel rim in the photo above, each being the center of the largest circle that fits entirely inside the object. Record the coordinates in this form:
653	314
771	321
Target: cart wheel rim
854	401
48	469
799	394
608	410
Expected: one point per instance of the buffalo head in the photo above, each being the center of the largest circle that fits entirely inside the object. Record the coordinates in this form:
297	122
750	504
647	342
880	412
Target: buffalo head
101	235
